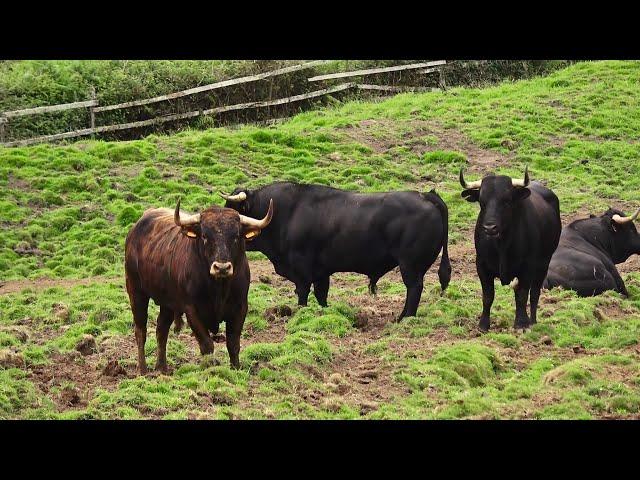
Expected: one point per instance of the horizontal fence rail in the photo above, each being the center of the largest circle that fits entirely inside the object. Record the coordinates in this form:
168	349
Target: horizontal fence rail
372	71
423	68
212	86
49	109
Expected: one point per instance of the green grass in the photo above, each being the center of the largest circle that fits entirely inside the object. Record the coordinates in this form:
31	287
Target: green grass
65	211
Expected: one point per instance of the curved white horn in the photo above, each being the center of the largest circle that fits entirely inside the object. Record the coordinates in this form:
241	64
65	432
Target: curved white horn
255	223
238	197
524	182
620	220
186	220
469	185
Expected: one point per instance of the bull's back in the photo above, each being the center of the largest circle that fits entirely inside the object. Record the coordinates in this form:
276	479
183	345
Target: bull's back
159	259
356	232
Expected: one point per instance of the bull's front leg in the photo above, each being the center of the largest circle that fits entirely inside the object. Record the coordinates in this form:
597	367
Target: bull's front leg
233	329
522	294
163	324
302	290
300	274
620	286
200	331
488	294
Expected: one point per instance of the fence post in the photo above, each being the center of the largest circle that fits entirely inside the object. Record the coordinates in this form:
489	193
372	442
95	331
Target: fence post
92	114
3	121
443	83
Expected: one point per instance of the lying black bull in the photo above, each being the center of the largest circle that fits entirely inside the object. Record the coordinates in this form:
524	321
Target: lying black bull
194	264
515	236
589	249
319	230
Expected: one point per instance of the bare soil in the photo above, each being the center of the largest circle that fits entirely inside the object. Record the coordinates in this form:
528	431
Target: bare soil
373	133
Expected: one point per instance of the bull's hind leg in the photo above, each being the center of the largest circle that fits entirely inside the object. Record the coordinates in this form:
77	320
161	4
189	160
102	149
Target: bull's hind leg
165	319
534	294
139	307
413	279
321	290
373	285
177	322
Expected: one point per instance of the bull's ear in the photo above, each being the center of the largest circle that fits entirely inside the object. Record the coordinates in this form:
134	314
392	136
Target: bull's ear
192	231
520	193
471	194
251	233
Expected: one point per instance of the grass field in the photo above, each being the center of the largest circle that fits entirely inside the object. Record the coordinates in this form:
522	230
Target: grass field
65	211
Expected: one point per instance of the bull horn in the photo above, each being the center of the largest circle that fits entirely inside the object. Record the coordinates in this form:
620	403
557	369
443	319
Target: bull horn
255	223
620	220
469	185
238	197
183	221
522	183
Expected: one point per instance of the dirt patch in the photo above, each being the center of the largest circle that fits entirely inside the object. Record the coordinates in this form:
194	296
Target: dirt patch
71	379
374	134
16	286
15	183
631	265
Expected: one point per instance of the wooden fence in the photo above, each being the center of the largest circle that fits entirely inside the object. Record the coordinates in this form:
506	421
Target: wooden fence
93	105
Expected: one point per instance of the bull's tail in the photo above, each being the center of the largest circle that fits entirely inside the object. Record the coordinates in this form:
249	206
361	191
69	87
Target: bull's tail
444	272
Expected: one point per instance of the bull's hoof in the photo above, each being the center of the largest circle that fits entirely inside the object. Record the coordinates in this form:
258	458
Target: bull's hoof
483	324
142	370
162	368
522	324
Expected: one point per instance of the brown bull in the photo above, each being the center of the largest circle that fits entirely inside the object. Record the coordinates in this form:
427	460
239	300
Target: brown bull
194	264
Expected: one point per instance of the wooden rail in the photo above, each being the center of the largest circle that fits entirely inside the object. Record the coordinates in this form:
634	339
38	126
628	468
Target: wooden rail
371	71
49	109
212	86
388	88
179	116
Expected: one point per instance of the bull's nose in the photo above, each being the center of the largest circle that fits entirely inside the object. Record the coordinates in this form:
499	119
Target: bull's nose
490	228
221	269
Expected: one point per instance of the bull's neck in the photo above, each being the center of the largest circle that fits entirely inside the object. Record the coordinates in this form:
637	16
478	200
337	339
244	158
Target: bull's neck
594	234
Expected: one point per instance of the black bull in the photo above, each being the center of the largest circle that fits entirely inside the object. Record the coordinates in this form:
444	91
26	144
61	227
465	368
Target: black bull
589	249
516	233
317	231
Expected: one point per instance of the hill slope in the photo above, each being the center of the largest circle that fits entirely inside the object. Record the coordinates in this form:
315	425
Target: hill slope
66	209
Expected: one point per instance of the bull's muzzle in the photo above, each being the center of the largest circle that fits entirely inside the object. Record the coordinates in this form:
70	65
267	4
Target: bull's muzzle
221	269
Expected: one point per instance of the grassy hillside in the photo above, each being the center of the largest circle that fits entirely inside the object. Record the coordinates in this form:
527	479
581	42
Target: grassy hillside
32	83
65	211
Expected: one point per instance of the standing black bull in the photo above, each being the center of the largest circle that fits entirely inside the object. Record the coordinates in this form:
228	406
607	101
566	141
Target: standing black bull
319	230
516	234
589	249
194	264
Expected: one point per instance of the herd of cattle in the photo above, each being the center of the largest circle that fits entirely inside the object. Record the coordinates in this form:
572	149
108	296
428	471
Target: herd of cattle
196	264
